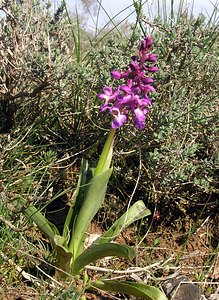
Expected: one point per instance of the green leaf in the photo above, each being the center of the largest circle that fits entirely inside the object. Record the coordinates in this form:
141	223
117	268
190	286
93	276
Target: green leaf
78	198
100	251
50	230
142	291
135	212
94	197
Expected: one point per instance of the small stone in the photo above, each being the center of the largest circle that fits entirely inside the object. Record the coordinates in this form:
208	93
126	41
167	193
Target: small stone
186	291
181	288
170	284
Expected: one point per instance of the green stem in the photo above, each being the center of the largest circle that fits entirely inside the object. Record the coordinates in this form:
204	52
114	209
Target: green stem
106	155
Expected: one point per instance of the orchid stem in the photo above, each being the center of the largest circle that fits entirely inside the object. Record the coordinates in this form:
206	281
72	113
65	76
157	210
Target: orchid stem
106	155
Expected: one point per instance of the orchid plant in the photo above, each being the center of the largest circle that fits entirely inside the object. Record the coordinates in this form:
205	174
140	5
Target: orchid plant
130	97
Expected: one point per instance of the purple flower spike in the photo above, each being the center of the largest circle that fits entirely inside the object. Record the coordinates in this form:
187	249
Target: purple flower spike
131	95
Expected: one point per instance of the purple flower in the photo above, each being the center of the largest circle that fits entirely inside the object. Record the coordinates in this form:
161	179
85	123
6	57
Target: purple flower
119	75
147	88
147	80
144	102
130	97
135	57
108	94
152	69
139	118
116	74
134	65
119	118
146	43
126	89
152	57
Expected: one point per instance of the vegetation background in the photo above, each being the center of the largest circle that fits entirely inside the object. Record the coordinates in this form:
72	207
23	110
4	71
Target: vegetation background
51	69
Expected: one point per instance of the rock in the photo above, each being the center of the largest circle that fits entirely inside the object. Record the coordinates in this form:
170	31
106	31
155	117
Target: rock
181	288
